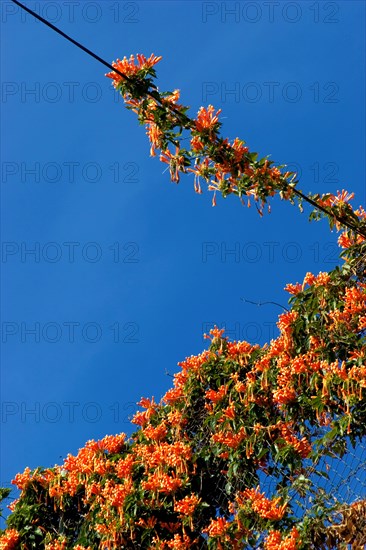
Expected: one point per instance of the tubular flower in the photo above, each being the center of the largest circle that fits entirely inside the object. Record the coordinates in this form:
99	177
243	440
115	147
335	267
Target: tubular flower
171	101
173	395
240	150
285	321
275	541
176	163
112	443
155	135
216	396
345	240
176	418
342	197
284	395
206	119
124	466
201	169
22	480
163	483
187	505
129	68
309	279
229	412
265	508
217	527
157	434
116	494
197	144
57	545
301	446
229	438
9	540
215	333
180	542
293	289
142	418
322	279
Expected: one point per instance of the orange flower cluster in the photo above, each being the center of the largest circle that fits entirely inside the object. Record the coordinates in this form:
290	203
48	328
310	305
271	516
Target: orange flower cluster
353	310
217	527
214	334
174	394
229	438
116	493
229	394
124	466
141	418
191	364
216	396
342	197
129	68
176	419
348	238
162	483
293	289
187	505
241	350
90	458
321	280
284	323
195	362
225	167
9	540
22	480
228	413
301	446
206	119
112	443
157	433
275	540
265	508
180	542
176	162
60	544
170	454
284	394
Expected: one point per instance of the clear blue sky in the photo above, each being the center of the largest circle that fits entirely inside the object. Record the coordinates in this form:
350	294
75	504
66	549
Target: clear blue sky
129	269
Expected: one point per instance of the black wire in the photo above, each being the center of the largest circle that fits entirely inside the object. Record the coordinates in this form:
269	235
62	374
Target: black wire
186	120
95	56
86	50
320	207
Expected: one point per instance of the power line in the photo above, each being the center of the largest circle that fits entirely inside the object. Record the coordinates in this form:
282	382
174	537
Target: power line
89	52
59	31
187	122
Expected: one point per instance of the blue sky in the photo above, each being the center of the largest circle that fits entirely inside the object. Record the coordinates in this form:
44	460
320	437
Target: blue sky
129	269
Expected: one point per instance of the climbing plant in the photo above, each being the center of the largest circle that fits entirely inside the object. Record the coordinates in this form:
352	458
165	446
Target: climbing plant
231	457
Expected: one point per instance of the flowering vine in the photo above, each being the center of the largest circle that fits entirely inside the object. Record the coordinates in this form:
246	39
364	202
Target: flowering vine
228	168
194	473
